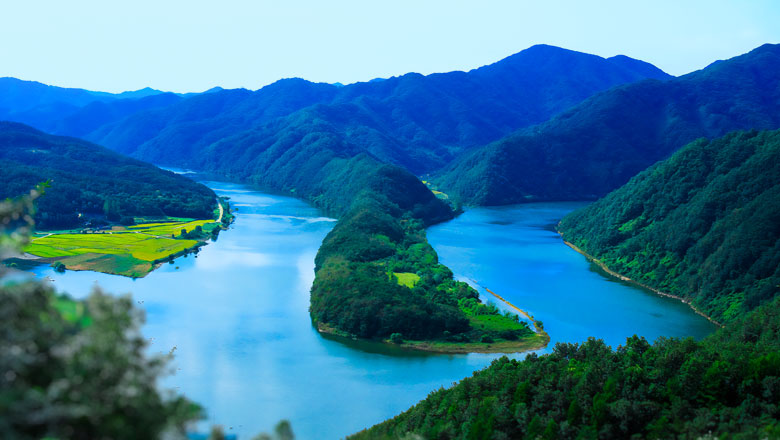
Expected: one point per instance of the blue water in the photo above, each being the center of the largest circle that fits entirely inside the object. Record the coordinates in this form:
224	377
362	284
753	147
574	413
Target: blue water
245	347
246	350
515	252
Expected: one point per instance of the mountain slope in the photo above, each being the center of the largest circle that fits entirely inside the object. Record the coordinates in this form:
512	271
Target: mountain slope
414	121
598	145
91	181
703	225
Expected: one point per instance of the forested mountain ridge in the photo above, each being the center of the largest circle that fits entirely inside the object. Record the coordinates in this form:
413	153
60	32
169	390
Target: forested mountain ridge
89	180
415	121
598	145
703	225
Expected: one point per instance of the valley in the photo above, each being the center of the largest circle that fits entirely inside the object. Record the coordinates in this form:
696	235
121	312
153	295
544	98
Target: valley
237	315
554	245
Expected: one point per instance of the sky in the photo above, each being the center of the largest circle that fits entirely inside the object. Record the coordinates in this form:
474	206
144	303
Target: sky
194	45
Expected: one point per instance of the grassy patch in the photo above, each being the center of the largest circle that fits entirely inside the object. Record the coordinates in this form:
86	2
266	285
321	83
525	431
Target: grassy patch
119	264
407	279
495	323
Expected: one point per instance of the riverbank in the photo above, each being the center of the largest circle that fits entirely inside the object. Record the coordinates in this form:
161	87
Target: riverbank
133	251
614	274
536	341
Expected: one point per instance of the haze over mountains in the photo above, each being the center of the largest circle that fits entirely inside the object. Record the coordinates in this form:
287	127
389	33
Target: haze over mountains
418	122
75	112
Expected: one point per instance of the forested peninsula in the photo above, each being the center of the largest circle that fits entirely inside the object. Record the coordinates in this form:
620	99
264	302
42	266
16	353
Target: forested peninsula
704	225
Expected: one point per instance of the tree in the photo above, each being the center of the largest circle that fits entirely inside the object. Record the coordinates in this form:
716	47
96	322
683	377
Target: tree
77	370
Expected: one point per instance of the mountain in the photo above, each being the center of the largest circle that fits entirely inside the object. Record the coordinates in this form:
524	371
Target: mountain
90	117
91	181
414	121
131	94
724	386
703	225
598	145
176	134
37	104
351	151
74	112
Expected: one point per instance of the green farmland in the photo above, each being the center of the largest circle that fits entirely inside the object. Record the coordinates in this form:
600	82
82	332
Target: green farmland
131	251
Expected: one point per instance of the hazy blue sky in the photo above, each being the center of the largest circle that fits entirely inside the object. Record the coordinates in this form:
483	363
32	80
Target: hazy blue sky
193	45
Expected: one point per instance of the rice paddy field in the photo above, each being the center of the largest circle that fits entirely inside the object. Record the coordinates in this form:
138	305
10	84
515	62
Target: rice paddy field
130	251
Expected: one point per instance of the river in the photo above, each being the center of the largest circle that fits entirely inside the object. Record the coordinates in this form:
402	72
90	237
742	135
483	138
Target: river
515	252
246	350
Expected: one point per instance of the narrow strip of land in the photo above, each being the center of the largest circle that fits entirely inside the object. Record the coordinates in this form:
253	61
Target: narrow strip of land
519	310
221	211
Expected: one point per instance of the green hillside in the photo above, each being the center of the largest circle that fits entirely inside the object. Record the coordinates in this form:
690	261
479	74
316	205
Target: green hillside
703	225
89	181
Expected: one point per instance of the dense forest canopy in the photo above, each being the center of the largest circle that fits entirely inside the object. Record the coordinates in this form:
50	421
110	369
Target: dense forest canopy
598	145
703	224
725	386
87	180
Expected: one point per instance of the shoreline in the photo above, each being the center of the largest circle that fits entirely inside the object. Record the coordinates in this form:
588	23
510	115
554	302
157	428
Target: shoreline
614	274
536	342
89	264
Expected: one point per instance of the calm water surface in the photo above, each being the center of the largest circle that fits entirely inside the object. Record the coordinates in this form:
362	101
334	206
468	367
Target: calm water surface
515	252
245	348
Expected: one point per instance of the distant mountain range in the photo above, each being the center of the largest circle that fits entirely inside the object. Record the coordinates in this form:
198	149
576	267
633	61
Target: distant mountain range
88	180
72	111
415	121
596	146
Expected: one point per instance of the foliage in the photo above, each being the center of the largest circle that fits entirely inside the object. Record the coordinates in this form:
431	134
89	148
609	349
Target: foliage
598	145
78	370
382	234
725	386
89	182
703	225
